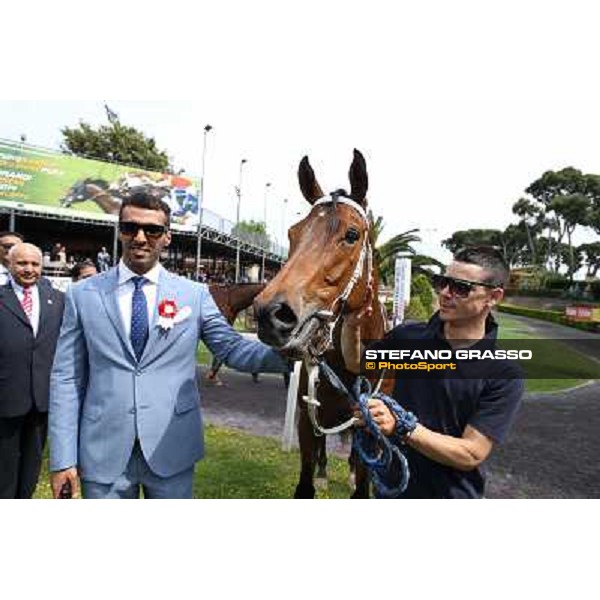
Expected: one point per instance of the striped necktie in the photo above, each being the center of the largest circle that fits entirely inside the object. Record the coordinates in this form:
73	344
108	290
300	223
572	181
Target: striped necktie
27	302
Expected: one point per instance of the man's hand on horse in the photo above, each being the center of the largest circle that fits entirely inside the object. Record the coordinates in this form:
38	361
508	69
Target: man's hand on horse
381	414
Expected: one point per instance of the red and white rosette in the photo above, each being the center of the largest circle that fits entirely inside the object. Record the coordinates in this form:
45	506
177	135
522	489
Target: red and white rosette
167	311
169	315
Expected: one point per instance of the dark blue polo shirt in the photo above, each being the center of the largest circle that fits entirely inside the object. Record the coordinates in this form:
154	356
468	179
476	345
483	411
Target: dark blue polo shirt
447	405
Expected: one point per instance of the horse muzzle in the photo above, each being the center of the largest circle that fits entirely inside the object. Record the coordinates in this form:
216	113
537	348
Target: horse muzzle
279	326
276	322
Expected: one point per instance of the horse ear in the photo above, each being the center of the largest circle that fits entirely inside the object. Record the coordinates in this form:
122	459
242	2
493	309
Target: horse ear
359	180
309	186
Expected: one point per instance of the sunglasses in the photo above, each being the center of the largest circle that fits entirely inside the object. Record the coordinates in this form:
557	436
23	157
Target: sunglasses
460	288
151	230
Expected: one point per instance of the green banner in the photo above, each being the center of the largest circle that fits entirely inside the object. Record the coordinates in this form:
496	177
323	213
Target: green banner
30	175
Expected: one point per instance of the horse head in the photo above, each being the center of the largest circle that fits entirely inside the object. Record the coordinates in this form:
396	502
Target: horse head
328	269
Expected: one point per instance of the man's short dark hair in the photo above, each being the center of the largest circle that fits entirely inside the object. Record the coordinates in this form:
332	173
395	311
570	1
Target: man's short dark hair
80	266
4	234
146	197
490	259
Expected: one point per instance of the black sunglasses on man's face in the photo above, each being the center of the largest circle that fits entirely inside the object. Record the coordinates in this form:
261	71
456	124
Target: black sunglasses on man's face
457	287
151	230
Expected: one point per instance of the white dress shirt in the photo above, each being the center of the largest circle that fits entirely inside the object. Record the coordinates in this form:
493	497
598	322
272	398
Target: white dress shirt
125	290
4	276
35	298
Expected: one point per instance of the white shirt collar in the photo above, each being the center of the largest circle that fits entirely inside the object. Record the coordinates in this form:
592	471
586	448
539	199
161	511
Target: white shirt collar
18	288
126	274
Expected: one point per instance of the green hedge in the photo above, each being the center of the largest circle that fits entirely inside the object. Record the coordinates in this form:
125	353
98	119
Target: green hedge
554	316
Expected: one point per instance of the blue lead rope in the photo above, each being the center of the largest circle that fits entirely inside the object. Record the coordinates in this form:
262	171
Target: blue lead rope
387	465
381	456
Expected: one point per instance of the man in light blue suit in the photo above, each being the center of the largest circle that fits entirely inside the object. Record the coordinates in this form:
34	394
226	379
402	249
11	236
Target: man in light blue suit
124	411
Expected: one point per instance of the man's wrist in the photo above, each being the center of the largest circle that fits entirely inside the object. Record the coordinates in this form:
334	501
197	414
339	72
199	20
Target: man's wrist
406	423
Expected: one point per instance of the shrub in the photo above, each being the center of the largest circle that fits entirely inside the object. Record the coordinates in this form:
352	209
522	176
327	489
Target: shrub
416	311
421	288
553	316
555	281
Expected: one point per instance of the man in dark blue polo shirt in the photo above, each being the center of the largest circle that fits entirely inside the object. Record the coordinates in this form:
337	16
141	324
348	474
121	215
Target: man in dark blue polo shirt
459	419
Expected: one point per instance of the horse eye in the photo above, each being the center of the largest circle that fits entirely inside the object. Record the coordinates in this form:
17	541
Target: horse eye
352	236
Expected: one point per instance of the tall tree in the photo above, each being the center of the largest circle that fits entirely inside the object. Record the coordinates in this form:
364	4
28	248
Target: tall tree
572	210
514	243
566	198
527	211
115	143
591	253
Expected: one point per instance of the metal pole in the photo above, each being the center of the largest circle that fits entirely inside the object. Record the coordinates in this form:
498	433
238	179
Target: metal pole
283	224
207	128
262	272
11	220
115	248
237	222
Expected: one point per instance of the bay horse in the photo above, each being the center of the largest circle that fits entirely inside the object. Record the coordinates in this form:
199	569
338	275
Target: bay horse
329	272
231	300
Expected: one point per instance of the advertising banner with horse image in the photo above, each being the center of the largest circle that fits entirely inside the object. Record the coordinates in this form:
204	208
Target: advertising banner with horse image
49	179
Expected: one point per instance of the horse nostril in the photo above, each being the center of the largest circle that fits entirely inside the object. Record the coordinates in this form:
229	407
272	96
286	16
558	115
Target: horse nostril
284	316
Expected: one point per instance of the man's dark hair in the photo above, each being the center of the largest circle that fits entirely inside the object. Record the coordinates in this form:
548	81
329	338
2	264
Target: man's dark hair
4	234
76	270
146	197
490	259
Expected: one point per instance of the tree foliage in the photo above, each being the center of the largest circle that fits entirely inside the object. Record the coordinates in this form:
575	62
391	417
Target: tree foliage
564	199
115	143
254	232
473	237
591	258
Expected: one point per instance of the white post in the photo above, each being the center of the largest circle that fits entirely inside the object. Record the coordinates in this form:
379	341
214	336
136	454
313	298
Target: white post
237	222
402	276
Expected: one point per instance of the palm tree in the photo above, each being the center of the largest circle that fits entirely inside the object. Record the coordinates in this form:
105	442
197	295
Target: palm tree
398	246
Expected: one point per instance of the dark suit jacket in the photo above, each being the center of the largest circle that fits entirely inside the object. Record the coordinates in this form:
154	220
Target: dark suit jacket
25	360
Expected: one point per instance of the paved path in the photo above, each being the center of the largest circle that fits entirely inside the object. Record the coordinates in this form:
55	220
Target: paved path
553	451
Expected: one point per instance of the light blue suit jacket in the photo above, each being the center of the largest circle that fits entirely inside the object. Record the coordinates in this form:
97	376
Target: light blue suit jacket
101	398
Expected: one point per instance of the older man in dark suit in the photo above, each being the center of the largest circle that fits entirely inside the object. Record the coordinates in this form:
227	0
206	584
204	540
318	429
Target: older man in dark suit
30	317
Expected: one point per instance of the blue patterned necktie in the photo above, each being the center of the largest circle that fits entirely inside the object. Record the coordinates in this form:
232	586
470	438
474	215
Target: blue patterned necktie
139	317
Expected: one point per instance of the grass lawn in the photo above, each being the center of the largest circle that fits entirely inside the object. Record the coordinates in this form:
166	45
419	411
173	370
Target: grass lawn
556	355
238	465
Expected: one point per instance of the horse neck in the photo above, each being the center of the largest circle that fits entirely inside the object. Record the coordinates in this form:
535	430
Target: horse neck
232	299
242	296
221	297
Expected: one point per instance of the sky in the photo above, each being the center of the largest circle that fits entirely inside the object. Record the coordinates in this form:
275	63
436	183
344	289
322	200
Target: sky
456	106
